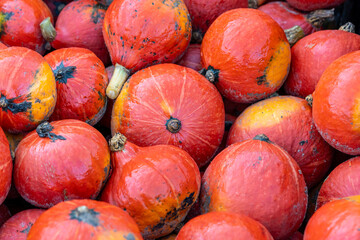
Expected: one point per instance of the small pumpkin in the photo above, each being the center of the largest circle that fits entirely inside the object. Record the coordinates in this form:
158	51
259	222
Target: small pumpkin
310	5
157	185
18	226
259	179
6	166
339	219
246	54
84	220
81	82
4	214
61	160
191	58
223	225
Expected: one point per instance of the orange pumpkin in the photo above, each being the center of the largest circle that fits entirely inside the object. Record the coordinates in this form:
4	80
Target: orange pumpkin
247	62
2	46
335	220
259	179
81	82
336	106
84	220
27	87
156	185
6	166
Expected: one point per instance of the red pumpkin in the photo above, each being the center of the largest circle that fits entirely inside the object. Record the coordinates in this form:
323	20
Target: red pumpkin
192	58
106	119
81	82
156	185
171	104
4	214
336	107
288	17
143	33
66	159
319	49
20	20
27	87
288	122
223	225
6	166
2	46
84	220
335	220
247	62
259	179
297	236
79	25
342	182
18	226
309	5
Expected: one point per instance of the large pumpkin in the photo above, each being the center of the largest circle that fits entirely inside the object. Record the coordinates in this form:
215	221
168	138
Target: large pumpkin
309	5
156	185
28	90
336	106
6	166
143	33
84	220
335	220
288	122
2	46
259	179
247	62
81	82
171	104
61	160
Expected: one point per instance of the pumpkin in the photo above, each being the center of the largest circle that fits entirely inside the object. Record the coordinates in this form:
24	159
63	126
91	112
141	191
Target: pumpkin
338	219
84	220
297	236
336	104
287	17
310	5
247	62
61	160
81	82
106	119
19	23
27	87
18	226
6	166
157	185
313	54
168	237
223	225
143	33
4	214
342	182
288	122
191	58
2	46
88	16
171	104
259	179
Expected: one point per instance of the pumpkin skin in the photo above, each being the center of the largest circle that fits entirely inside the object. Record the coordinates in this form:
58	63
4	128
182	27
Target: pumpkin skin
246	69
157	185
223	225
335	104
4	214
313	54
2	46
19	23
79	170
106	119
6	166
288	122
342	182
18	226
310	5
259	179
81	82
339	219
191	58
87	220
28	90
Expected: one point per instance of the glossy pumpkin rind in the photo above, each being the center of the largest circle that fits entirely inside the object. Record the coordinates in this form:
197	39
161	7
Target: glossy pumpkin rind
259	179
81	82
73	164
98	220
6	166
249	53
310	5
146	32
336	104
155	95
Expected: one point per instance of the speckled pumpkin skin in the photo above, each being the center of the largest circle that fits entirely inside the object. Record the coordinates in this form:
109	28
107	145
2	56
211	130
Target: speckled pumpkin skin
250	52
310	5
6	166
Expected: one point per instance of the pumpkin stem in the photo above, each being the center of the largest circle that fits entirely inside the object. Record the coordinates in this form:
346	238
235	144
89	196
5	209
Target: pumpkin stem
294	34
253	4
44	130
262	137
318	18
47	30
8	104
85	215
117	142
212	74
196	37
348	27
173	125
309	100
117	80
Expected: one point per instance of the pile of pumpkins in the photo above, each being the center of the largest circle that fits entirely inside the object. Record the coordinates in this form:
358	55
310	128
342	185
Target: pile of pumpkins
178	119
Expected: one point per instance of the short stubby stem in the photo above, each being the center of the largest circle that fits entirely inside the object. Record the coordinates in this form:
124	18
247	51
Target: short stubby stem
118	79
47	30
117	142
173	125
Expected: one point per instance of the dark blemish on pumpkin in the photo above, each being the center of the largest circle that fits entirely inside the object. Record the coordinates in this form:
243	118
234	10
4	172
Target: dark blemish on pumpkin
62	73
259	158
315	151
85	215
9	104
158	226
96	14
176	26
188	201
27	229
180	141
281	116
37	100
65	195
4	17
303	142
130	236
